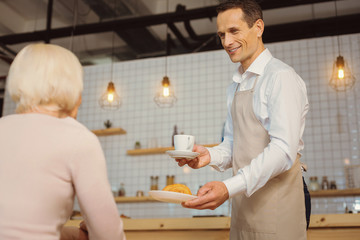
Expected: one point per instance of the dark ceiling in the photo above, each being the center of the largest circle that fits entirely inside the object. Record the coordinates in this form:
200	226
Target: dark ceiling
141	42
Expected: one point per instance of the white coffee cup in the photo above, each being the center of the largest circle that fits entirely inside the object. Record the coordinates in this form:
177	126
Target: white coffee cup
184	142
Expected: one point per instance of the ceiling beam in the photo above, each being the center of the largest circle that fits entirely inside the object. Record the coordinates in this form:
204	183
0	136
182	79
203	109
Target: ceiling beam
273	33
131	23
312	28
272	4
306	29
134	37
115	25
4	57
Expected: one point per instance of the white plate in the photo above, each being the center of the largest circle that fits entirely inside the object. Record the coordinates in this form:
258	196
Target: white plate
182	154
171	197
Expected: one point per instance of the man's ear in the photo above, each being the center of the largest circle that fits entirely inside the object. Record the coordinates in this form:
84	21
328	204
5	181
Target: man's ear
259	24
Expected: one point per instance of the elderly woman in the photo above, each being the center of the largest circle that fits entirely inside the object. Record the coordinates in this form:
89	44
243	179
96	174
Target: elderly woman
46	156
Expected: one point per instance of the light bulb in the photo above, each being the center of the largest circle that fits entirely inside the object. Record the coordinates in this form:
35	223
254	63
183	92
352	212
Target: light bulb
110	97
341	73
166	91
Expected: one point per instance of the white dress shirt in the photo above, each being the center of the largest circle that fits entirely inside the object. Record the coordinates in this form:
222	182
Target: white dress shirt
280	104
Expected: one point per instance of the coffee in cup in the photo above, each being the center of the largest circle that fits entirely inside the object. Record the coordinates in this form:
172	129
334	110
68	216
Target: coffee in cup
184	142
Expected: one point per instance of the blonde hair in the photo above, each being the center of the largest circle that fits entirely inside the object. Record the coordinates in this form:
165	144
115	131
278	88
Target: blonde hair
45	75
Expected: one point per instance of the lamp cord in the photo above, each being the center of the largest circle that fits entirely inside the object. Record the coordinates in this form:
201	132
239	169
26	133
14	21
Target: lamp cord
337	92
167	39
112	49
75	17
337	26
112	56
36	19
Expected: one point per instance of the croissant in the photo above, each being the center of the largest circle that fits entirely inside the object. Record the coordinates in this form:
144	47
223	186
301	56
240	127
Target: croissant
180	188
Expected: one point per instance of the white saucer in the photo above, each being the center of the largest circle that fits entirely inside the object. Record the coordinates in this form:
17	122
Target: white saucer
182	154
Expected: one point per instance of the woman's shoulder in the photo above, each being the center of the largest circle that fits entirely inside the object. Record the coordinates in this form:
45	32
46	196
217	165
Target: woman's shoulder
47	124
76	128
73	123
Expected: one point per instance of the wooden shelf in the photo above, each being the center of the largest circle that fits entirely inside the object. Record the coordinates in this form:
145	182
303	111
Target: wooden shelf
336	193
134	199
109	131
146	151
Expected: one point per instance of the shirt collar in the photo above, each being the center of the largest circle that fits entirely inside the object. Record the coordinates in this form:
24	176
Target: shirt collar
257	67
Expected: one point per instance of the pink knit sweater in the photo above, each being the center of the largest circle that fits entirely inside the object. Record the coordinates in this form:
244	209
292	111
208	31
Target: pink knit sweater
44	162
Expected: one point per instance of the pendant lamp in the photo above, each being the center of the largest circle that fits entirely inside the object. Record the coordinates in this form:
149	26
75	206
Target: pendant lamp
110	99
165	97
341	77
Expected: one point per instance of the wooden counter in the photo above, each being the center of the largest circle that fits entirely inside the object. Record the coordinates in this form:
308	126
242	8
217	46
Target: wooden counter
334	227
323	226
209	228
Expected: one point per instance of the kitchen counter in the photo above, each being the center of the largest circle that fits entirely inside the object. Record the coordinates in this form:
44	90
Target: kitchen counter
323	226
334	227
209	228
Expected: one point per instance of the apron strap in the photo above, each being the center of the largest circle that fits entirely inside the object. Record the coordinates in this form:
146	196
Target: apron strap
237	87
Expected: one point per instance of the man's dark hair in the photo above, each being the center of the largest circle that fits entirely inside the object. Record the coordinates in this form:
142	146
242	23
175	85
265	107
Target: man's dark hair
251	9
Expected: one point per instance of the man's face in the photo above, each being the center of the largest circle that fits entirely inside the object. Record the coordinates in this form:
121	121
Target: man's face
240	42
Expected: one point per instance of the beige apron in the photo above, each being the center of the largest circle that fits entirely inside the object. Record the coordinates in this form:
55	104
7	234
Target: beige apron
277	210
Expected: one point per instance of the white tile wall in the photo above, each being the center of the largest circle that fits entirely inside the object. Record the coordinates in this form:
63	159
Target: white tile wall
199	81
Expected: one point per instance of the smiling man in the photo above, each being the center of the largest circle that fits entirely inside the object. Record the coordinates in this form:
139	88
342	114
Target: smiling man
267	103
241	35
